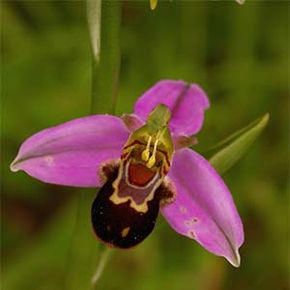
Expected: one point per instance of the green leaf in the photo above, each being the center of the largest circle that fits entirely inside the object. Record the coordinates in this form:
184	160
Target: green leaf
235	146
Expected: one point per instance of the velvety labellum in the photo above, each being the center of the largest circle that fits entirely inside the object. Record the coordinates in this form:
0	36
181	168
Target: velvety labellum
121	225
126	208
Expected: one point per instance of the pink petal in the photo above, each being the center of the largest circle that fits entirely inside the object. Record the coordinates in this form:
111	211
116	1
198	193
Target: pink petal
187	103
71	153
204	209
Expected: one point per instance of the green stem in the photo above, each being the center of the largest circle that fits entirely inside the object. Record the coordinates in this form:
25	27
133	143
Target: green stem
106	66
84	248
104	28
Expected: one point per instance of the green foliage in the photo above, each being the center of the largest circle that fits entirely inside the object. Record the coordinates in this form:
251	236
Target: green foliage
235	146
106	65
238	54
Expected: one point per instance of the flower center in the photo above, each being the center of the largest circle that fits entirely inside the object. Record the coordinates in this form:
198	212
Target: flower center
150	159
126	208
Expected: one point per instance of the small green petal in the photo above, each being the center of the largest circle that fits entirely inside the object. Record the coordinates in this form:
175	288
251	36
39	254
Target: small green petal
158	118
156	127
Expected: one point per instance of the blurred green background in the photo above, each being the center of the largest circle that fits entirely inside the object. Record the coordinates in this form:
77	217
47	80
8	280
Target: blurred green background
238	54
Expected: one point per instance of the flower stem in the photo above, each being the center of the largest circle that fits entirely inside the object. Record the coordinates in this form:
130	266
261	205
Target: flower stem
104	28
106	60
104	25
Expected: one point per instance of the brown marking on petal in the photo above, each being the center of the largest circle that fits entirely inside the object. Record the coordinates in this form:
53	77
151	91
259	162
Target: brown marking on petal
131	122
133	143
191	222
184	141
164	171
166	192
107	169
139	174
191	234
125	155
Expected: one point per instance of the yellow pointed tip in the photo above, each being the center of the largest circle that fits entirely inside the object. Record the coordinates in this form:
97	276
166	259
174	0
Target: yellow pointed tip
153	4
241	2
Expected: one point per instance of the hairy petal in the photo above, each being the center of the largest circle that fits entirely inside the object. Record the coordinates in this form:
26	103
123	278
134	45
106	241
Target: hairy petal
71	153
187	103
132	122
204	209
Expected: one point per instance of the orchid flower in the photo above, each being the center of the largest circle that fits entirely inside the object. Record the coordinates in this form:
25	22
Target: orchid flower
142	165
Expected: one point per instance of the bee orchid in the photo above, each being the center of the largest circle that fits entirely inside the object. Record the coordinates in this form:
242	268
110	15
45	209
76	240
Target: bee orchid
142	164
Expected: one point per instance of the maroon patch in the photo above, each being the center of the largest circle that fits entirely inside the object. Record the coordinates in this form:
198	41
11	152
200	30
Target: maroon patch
139	174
